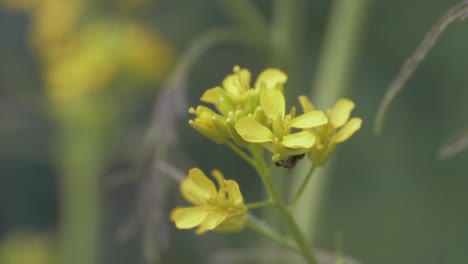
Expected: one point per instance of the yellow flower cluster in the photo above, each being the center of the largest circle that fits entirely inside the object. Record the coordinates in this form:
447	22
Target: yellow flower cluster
221	209
253	117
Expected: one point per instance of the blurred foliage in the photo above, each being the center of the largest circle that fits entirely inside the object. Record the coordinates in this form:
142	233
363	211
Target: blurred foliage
27	247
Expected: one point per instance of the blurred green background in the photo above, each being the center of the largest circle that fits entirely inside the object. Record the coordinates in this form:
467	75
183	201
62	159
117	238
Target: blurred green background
79	85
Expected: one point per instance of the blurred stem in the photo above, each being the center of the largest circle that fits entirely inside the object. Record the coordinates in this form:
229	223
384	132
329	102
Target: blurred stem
81	152
338	51
458	11
80	204
454	147
339	48
285	30
286	38
198	48
248	17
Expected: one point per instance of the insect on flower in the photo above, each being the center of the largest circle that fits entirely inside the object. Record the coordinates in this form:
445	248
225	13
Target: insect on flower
290	162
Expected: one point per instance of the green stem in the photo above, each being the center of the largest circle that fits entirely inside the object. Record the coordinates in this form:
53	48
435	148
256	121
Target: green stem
241	153
304	184
259	204
265	173
287	216
298	235
265	230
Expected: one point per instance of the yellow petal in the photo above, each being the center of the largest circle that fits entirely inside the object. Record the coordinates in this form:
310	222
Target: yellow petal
211	95
219	178
303	139
201	230
273	102
207	130
306	104
270	77
214	218
235	196
204	118
197	188
309	120
348	130
252	131
237	83
233	223
188	217
340	113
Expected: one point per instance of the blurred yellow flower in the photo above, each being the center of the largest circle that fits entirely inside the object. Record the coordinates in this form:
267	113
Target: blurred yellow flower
88	63
338	129
214	209
52	21
27	248
80	55
144	53
276	134
100	53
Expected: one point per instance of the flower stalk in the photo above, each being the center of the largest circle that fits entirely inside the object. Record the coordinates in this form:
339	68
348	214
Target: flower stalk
304	248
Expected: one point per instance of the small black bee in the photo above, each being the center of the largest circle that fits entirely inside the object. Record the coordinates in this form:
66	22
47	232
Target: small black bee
290	162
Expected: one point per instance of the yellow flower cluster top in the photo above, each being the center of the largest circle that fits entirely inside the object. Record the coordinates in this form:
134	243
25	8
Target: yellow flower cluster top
221	209
253	117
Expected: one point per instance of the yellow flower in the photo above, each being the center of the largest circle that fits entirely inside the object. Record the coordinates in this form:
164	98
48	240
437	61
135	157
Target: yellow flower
339	128
214	209
204	124
236	93
275	134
